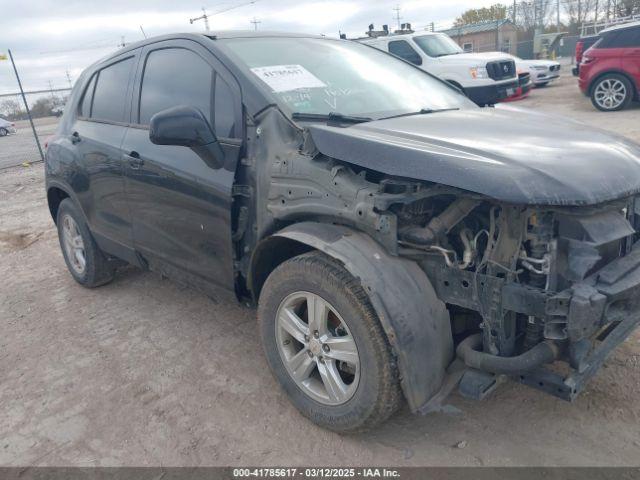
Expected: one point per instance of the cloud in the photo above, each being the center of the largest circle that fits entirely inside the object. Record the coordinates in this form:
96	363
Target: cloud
49	37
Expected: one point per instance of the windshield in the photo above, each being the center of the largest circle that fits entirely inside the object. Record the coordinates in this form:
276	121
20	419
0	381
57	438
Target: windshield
312	75
437	45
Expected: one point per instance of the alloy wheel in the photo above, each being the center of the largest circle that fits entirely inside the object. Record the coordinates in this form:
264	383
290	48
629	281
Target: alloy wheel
73	244
317	348
610	93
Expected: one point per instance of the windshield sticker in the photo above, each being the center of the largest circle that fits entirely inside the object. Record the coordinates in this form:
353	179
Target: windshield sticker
284	78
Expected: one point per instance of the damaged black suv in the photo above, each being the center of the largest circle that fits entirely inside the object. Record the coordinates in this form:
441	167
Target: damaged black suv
397	240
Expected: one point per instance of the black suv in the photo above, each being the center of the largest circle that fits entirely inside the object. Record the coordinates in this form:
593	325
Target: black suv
375	215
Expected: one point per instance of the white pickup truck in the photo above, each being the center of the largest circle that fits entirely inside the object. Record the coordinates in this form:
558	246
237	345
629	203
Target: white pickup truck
486	78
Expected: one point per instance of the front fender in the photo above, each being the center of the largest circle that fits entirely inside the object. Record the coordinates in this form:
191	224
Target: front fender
416	322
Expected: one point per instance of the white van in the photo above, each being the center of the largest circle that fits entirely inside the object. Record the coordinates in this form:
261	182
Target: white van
486	78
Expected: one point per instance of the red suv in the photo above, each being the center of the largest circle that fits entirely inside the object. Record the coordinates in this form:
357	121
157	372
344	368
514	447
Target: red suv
610	70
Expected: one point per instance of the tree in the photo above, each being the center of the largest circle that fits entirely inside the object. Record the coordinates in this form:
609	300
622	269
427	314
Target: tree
531	15
478	15
42	107
11	109
581	11
626	8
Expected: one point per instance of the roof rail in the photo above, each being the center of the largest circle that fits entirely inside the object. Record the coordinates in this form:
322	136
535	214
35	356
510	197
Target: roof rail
595	27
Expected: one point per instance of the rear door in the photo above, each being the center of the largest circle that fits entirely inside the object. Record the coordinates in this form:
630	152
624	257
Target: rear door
181	208
98	132
630	42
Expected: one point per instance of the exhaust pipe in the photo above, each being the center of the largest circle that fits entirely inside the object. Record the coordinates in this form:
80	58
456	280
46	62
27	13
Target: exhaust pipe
468	351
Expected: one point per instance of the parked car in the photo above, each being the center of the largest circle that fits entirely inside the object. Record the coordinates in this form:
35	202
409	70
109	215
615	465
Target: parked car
382	223
542	71
486	78
6	127
610	69
582	45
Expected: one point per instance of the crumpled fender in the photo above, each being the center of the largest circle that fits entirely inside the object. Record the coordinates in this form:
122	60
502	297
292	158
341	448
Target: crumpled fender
415	320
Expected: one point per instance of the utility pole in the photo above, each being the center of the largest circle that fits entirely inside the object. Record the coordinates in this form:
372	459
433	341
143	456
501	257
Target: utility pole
558	14
51	91
255	23
69	79
204	17
398	17
515	11
142	30
26	106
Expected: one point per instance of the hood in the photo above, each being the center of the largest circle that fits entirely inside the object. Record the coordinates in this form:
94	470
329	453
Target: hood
479	58
507	153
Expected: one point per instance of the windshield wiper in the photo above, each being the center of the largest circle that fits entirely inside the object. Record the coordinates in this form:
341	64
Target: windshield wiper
422	111
332	117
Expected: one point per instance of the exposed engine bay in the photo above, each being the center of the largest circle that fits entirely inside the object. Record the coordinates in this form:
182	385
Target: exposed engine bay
524	285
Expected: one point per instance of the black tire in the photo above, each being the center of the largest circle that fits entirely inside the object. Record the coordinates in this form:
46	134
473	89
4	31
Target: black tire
629	92
542	84
98	269
3	132
378	394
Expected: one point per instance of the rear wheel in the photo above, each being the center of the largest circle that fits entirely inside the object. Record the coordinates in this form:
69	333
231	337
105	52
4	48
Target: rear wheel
611	93
325	345
86	262
3	132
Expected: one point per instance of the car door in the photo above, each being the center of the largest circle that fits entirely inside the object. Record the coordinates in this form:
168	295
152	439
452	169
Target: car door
181	208
631	55
98	131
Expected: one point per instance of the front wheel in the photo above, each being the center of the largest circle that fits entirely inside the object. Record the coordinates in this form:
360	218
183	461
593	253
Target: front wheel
325	346
611	93
3	132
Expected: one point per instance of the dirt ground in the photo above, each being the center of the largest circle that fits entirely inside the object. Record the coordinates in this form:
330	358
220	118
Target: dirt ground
143	372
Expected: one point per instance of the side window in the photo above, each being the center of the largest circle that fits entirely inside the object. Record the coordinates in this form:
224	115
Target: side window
85	106
629	37
109	99
402	49
225	115
172	77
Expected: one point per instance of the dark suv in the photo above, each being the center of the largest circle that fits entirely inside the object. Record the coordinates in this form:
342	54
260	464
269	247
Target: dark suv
382	223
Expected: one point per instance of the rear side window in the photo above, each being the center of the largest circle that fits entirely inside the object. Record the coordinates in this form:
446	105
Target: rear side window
85	106
110	99
626	38
402	49
172	77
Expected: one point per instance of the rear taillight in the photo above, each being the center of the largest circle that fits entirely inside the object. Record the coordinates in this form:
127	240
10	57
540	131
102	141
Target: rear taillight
13	124
579	51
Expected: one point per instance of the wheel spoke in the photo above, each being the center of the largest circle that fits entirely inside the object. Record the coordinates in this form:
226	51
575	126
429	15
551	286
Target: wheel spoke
317	314
293	325
343	349
301	365
336	389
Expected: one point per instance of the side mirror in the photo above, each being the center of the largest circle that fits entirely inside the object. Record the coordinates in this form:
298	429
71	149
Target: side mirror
187	127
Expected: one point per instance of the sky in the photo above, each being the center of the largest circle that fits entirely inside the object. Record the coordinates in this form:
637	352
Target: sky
49	38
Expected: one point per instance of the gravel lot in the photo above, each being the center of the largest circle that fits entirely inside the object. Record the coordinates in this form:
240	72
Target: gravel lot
144	372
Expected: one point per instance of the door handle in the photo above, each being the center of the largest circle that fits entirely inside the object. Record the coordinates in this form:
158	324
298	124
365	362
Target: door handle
75	138
134	160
